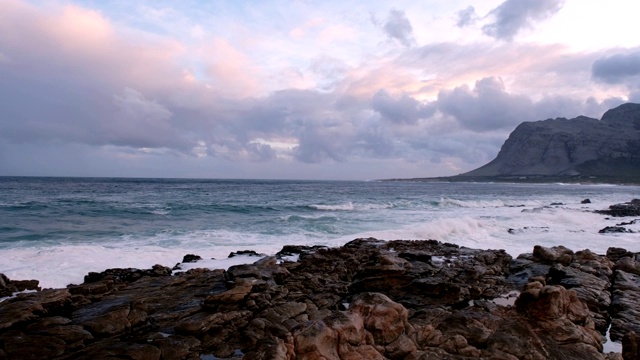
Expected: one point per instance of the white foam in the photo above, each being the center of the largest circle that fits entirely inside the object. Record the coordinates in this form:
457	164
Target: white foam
470	203
609	345
337	207
508	299
218	263
478	224
16	294
350	206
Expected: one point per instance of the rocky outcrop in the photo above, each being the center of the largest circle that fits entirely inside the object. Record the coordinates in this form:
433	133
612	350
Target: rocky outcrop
631	208
608	148
368	299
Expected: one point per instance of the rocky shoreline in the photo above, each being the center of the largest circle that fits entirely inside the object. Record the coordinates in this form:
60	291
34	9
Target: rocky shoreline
368	299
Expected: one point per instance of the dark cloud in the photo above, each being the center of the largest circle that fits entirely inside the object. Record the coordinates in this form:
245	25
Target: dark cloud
466	17
488	106
320	144
398	27
404	109
618	68
514	15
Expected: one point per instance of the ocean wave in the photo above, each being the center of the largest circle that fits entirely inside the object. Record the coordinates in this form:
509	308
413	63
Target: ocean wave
338	207
471	203
324	218
350	206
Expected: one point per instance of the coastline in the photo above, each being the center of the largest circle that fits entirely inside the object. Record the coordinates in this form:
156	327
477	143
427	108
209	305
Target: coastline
368	298
528	179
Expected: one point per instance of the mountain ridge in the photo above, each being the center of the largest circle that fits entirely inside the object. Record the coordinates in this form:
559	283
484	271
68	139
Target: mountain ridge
562	147
581	149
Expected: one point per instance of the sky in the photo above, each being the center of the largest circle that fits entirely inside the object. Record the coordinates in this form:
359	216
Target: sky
298	89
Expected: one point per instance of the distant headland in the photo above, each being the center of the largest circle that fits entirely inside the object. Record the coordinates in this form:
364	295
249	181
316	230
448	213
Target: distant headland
582	150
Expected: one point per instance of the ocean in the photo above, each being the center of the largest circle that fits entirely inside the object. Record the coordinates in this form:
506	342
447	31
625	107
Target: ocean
58	229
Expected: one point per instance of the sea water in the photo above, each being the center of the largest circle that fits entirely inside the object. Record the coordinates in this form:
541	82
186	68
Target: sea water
58	229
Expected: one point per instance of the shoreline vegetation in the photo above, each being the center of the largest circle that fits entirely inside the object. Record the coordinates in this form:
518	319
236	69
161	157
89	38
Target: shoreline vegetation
367	299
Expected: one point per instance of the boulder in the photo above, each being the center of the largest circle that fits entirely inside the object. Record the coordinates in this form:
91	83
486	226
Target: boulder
369	299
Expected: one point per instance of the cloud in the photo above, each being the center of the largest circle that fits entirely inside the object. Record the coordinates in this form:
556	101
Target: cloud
401	110
398	27
466	17
617	68
488	106
141	123
139	98
512	16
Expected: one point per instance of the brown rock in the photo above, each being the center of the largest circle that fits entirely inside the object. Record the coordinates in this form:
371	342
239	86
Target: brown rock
631	346
114	349
385	319
19	346
315	340
28	307
556	254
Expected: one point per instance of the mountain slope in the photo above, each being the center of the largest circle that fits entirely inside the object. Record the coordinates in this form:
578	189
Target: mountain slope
582	146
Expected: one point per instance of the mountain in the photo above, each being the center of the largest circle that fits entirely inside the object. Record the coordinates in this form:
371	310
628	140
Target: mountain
607	149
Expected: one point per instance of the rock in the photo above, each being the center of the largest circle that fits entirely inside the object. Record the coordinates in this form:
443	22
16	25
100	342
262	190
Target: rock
19	346
586	201
191	258
624	305
8	287
628	264
30	307
632	222
616	254
114	349
245	252
127	275
368	299
614	229
554	254
631	346
291	250
583	146
264	269
631	208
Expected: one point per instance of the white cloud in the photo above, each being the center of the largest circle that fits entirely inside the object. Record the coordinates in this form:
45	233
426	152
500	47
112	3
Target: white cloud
514	15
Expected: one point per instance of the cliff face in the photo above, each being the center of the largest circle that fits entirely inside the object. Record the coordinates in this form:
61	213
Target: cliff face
580	146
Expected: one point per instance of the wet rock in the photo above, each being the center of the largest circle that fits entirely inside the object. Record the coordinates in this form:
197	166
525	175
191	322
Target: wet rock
127	275
614	229
245	253
631	208
291	250
631	346
624	223
114	349
29	307
191	258
616	254
8	287
589	276
556	254
264	269
624	305
586	201
369	299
